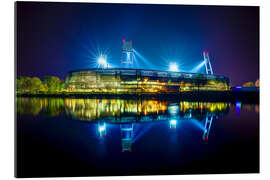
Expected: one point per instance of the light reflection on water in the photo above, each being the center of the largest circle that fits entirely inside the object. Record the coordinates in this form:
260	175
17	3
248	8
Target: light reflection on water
150	133
129	113
119	110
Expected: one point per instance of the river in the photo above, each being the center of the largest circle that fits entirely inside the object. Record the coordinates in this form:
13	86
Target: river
92	137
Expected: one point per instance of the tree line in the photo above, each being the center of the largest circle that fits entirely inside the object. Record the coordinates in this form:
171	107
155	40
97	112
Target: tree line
54	85
252	84
48	85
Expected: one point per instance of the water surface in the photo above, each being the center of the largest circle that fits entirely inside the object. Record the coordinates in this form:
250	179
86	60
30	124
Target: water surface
89	137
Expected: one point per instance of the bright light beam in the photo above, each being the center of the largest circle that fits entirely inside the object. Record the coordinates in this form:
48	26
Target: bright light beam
92	51
196	69
198	124
141	131
144	62
102	61
173	67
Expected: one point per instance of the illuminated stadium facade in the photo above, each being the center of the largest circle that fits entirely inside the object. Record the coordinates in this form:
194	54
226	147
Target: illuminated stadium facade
141	81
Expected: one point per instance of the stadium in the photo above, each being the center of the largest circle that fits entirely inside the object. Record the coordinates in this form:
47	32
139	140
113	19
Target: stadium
108	80
124	80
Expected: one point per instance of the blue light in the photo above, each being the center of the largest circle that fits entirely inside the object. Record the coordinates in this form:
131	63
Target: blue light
238	106
101	129
140	60
173	67
197	68
173	122
91	52
198	124
140	130
102	60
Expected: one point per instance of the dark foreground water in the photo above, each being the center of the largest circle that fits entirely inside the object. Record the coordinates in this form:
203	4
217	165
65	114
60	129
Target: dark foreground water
90	137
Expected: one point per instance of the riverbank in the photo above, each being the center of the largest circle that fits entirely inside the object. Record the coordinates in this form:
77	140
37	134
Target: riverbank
221	96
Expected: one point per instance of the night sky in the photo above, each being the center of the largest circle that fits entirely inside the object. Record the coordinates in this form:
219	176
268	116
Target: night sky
55	38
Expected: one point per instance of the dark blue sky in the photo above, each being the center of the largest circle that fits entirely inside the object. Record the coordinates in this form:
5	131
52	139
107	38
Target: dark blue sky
54	38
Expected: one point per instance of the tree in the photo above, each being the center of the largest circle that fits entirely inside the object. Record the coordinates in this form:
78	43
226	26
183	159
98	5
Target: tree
248	84
20	84
53	83
257	83
36	85
23	84
28	85
221	85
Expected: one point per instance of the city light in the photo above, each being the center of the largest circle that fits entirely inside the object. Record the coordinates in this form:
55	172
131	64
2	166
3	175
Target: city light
173	67
102	60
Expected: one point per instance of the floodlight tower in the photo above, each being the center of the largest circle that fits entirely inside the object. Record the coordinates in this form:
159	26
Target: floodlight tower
127	53
207	127
207	63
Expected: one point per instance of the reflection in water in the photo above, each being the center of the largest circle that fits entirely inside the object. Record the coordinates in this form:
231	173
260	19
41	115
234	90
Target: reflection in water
33	106
173	110
238	106
207	127
130	114
102	128
126	136
173	124
113	110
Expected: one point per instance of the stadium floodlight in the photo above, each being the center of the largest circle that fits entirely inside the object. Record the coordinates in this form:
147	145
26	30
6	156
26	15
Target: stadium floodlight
102	60
173	67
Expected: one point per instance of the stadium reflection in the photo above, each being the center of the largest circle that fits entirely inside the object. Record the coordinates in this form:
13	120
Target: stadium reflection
134	116
129	114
